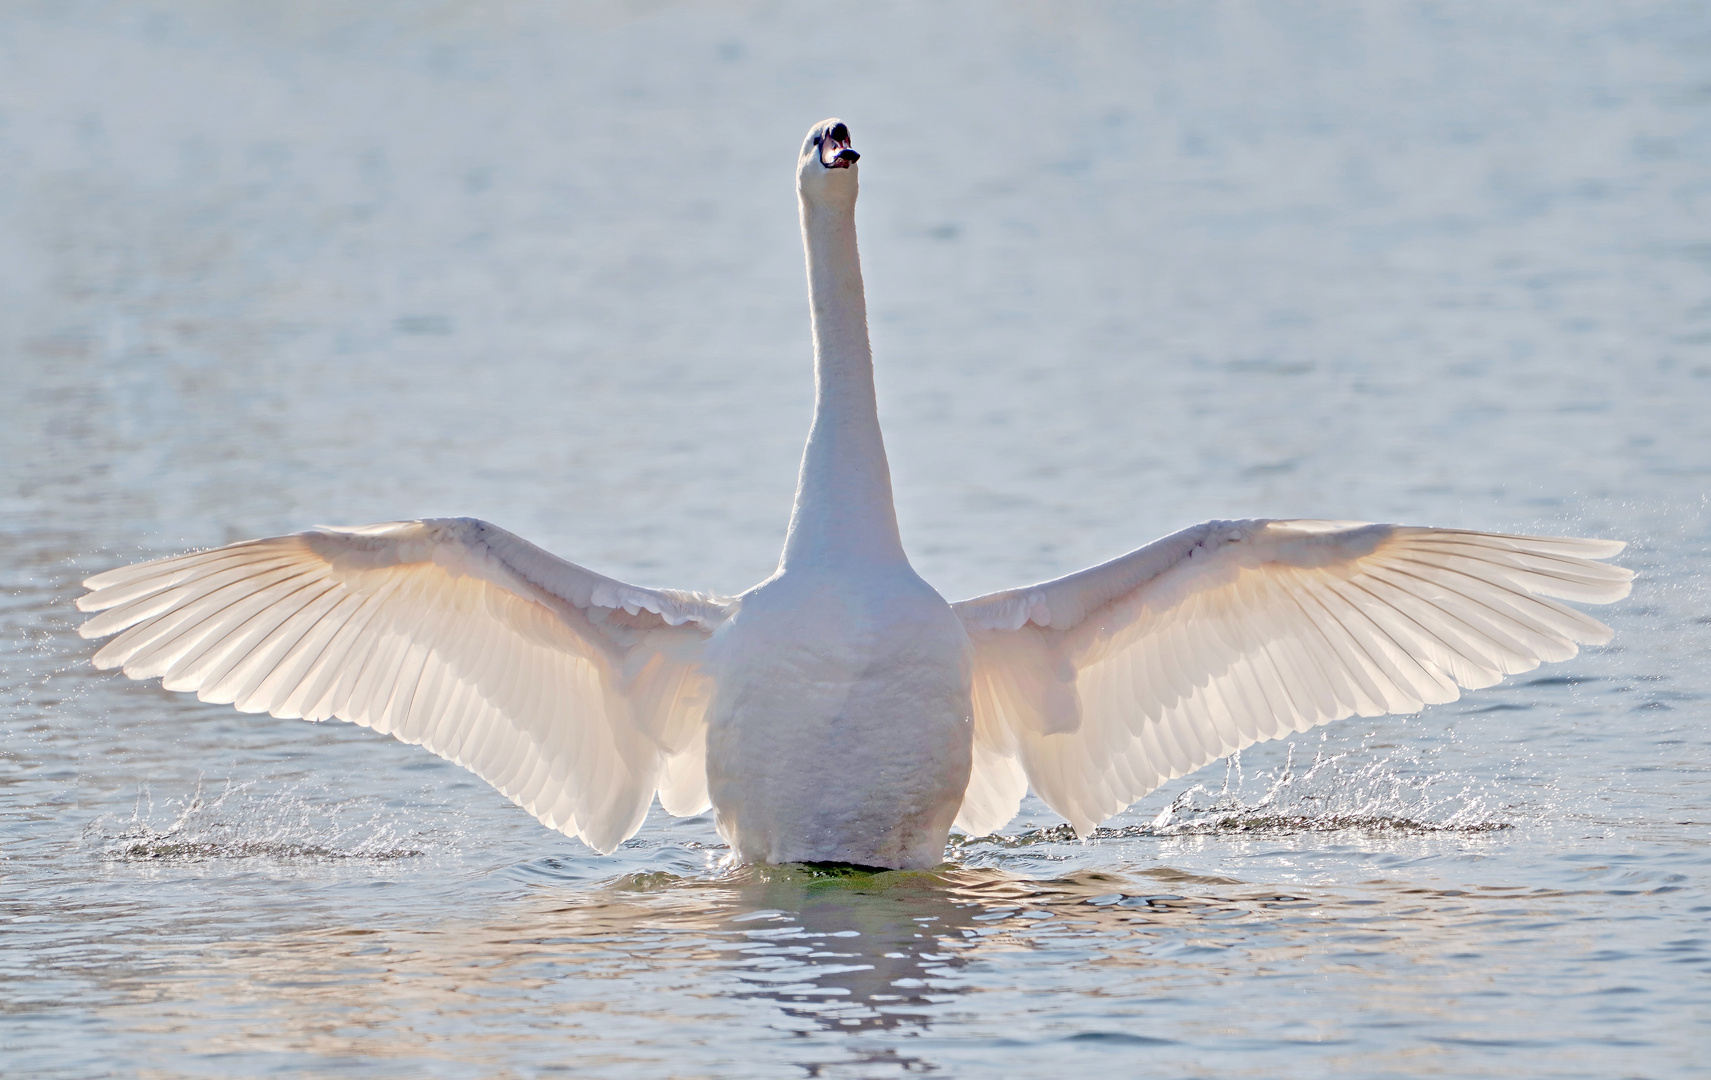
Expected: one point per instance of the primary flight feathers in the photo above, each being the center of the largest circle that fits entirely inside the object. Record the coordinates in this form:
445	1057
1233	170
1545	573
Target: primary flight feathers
1098	687
575	695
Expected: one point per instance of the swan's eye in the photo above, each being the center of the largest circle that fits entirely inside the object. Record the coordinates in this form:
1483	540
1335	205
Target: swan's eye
840	133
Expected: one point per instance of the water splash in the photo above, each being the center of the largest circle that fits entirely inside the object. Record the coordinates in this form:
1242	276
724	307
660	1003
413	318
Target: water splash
239	824
1336	792
1351	791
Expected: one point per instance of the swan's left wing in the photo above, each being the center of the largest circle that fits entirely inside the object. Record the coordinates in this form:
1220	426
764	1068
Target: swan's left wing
576	695
1098	687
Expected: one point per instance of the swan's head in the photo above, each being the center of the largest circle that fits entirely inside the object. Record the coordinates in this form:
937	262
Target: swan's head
827	169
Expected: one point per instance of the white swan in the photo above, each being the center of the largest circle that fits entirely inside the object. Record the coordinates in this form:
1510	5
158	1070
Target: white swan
841	710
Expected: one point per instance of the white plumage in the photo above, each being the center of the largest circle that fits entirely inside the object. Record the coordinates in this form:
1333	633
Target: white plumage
1104	684
573	694
841	710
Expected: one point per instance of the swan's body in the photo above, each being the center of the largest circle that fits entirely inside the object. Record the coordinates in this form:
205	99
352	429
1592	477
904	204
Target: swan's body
839	730
842	710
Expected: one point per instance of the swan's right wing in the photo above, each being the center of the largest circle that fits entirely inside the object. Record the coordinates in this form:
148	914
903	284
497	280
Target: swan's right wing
1098	687
576	695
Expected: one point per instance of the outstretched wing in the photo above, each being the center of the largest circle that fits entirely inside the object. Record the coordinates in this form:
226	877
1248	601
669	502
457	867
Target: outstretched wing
1098	687
576	695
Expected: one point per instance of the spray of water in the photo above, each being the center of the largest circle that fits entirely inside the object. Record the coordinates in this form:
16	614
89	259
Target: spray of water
240	823
1335	792
1348	791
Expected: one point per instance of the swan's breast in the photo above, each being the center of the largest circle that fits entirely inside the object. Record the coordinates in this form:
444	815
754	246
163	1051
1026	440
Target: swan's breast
840	727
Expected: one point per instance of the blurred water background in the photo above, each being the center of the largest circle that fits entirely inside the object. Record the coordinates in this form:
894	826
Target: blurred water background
1130	266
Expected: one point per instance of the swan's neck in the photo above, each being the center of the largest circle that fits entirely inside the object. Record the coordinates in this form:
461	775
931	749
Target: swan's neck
843	511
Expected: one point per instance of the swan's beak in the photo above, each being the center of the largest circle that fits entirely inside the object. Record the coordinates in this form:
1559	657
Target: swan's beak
835	152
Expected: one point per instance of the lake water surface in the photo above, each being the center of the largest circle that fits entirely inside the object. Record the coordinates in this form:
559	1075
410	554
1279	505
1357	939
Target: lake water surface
1130	267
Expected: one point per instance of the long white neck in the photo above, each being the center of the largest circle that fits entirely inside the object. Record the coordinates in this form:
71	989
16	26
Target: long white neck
843	511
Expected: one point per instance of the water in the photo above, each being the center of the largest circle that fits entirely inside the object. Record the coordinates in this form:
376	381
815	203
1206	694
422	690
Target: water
1130	267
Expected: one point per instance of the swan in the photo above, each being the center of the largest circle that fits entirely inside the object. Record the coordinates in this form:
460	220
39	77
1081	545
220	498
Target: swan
841	710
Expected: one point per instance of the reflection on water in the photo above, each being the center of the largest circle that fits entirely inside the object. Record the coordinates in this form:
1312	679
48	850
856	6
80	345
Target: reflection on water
868	971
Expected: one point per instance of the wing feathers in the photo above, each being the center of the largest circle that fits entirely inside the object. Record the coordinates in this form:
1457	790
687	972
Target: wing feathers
1235	632
568	691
